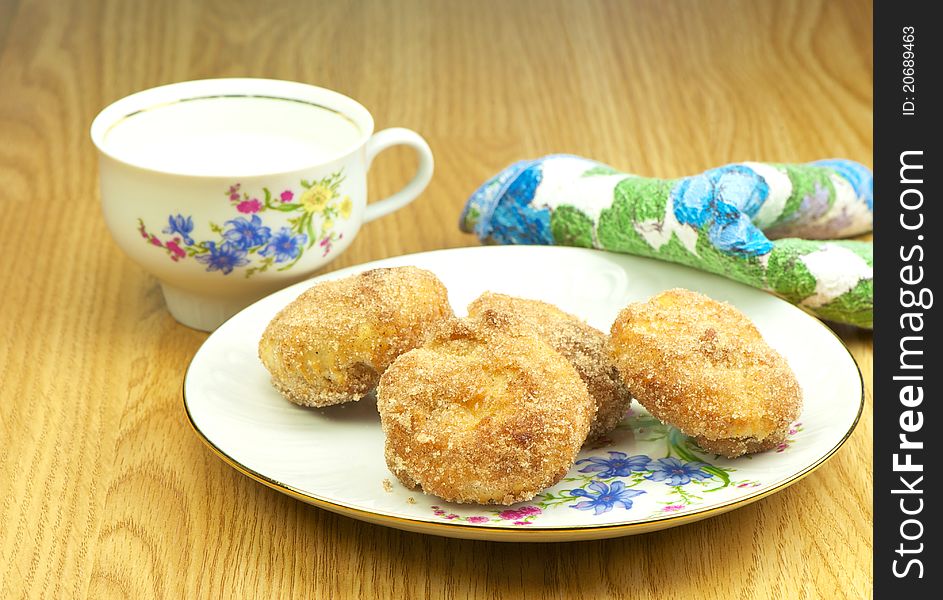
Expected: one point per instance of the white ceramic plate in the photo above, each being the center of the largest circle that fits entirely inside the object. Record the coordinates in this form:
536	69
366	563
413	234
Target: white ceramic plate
647	477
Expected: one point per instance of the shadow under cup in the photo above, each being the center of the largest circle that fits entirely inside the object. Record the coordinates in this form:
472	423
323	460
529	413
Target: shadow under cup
228	189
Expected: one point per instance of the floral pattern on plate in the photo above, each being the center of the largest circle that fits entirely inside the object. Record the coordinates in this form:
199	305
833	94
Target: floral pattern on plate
246	242
522	515
676	479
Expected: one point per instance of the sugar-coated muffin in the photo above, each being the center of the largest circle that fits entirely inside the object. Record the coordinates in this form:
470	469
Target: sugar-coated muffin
484	412
703	367
584	346
333	342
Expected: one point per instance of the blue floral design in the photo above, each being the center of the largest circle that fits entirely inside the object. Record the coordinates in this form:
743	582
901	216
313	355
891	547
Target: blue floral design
605	497
722	201
514	220
619	464
733	232
739	186
673	472
224	257
180	225
247	233
284	245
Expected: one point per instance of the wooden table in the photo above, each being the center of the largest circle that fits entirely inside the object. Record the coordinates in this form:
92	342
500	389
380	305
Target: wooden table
105	491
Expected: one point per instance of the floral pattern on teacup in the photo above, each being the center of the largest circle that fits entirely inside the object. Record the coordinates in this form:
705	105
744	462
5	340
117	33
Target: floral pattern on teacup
245	242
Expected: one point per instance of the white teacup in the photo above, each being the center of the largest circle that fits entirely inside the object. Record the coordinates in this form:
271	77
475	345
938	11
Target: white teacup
227	189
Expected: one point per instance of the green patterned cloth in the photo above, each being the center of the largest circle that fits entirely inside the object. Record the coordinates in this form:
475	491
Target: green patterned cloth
772	226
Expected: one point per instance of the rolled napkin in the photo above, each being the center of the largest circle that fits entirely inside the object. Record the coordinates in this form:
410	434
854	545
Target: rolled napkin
724	220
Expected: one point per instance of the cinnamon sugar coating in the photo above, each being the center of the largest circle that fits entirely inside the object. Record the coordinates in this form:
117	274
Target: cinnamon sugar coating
703	367
584	346
333	342
485	412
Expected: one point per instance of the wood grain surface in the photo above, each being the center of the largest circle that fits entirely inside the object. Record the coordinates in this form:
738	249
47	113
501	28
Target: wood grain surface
104	490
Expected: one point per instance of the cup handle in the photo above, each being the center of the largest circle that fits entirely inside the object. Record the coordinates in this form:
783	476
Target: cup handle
395	136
